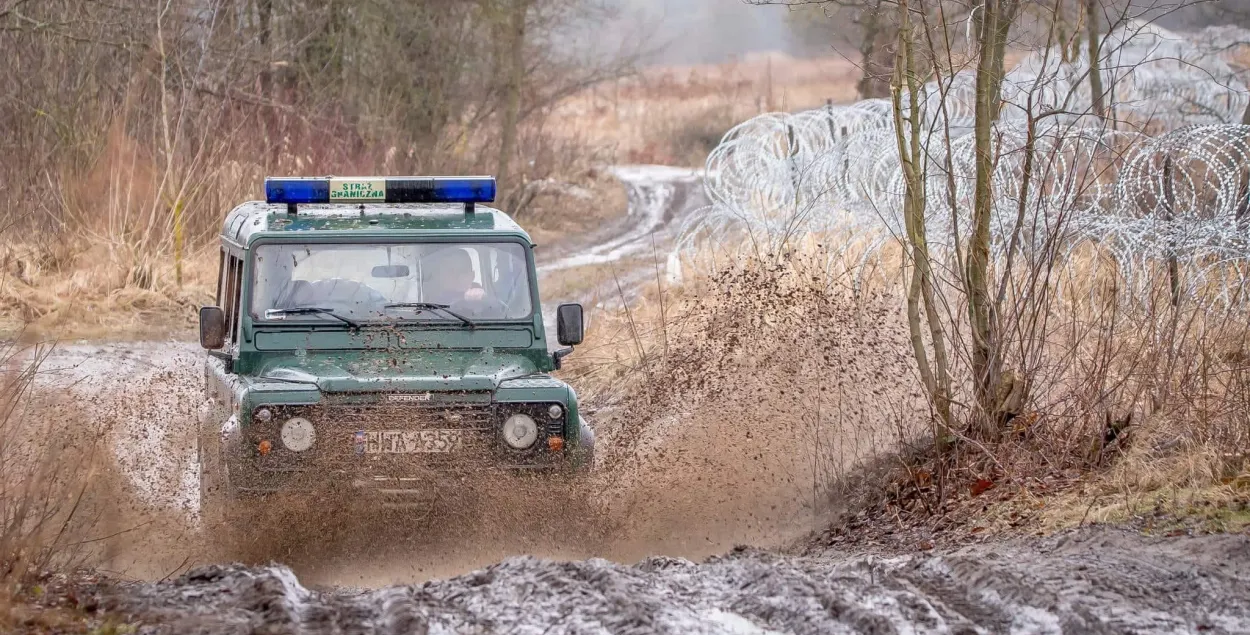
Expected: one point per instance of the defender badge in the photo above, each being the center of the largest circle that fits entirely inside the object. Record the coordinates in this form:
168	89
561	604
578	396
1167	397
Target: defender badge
422	396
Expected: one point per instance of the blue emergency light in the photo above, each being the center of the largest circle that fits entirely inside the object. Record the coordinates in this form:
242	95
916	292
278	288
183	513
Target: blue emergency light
438	189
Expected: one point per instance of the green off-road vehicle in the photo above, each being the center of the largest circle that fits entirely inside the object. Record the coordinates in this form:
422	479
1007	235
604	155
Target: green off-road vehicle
375	335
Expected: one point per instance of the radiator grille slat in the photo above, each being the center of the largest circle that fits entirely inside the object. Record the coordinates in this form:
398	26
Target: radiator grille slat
441	417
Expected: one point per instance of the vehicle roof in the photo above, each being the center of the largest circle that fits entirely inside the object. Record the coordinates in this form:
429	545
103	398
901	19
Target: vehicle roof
257	218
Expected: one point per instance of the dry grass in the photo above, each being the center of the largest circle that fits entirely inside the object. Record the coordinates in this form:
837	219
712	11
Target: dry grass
1171	477
49	459
675	115
98	258
97	295
1130	403
113	269
575	210
1220	508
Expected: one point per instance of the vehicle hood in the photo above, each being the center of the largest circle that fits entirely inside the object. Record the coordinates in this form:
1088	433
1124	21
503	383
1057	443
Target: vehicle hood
402	370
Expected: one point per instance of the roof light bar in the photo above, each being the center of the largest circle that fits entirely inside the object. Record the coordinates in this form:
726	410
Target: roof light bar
437	189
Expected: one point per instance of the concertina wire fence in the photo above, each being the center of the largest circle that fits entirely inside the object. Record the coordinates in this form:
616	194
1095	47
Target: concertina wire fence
1161	185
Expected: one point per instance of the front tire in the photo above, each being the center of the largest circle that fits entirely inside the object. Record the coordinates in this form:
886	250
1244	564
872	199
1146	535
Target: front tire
584	453
228	524
214	489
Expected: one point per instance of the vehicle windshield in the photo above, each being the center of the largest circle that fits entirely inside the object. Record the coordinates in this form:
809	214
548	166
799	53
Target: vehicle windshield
480	281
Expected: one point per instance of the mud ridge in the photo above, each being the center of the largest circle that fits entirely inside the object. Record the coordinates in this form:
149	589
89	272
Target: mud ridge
1089	581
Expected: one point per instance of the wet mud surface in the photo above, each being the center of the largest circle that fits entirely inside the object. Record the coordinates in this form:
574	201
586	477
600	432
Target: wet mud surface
1087	581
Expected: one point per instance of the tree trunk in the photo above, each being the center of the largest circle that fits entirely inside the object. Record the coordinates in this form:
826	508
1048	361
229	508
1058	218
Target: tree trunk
876	59
269	117
1095	66
994	24
1169	207
920	293
514	76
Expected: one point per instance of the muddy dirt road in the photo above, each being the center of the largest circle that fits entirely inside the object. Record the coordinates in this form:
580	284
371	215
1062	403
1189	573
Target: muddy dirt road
660	199
659	196
1090	581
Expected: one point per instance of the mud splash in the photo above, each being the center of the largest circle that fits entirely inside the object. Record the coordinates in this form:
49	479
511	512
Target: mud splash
694	499
1090	581
144	397
147	394
689	475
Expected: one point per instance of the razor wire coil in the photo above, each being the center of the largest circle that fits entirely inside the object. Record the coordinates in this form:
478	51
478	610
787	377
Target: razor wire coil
1169	180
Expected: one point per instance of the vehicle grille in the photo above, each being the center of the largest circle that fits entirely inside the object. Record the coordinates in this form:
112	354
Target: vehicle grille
337	425
408	417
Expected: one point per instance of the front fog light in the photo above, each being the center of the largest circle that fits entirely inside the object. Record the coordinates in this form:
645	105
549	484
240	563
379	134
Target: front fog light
264	415
298	434
520	431
555	411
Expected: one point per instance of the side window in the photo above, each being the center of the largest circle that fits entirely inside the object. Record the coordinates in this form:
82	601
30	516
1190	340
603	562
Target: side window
229	297
228	293
237	296
221	279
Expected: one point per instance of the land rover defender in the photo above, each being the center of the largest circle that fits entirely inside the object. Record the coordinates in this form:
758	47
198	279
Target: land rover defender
372	334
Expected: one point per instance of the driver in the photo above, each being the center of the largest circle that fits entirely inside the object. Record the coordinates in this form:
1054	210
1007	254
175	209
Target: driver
451	281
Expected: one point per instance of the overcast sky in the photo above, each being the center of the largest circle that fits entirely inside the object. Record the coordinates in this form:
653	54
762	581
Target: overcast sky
697	31
707	30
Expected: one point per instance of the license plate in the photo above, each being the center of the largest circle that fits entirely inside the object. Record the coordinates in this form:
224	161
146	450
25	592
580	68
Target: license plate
407	441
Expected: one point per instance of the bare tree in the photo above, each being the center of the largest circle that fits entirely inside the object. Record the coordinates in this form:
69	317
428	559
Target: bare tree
993	20
1092	25
868	26
514	75
165	117
909	134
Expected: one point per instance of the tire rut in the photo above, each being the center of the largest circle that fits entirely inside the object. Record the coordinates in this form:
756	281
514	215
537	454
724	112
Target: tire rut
1095	580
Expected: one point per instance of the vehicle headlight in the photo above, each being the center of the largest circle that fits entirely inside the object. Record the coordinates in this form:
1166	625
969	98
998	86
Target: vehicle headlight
298	434
520	431
555	411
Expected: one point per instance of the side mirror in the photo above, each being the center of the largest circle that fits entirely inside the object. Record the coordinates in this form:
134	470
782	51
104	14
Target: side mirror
212	327
569	324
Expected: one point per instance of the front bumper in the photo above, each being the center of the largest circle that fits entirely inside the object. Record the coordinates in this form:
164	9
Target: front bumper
341	465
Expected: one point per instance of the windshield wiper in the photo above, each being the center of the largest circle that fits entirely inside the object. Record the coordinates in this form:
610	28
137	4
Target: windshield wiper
430	306
313	310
